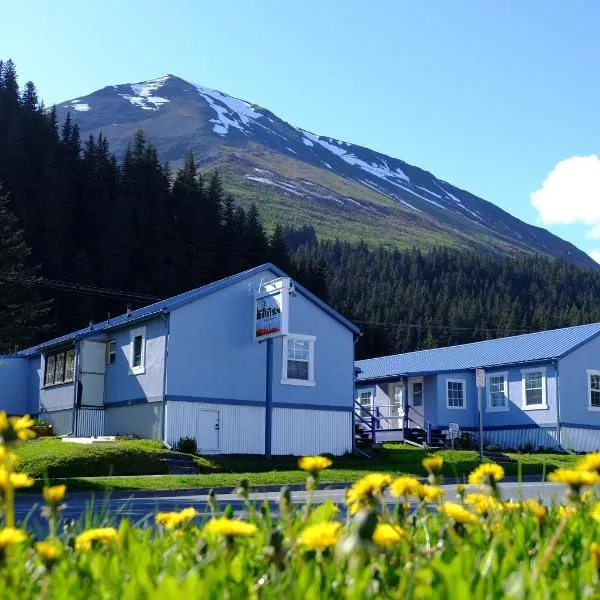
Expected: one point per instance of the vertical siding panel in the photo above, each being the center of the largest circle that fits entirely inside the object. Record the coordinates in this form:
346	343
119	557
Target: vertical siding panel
580	439
61	421
305	432
241	428
90	423
143	420
516	438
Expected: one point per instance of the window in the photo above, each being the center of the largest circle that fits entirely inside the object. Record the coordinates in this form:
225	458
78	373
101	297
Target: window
365	399
593	390
534	389
59	367
137	351
497	392
455	393
111	352
298	360
417	393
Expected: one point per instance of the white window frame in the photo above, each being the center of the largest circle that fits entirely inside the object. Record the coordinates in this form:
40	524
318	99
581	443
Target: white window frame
544	404
488	392
371	406
464	389
310	382
589	374
411	395
109	353
400	407
133	333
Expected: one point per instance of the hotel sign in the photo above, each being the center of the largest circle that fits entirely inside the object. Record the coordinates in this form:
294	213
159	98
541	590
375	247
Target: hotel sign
271	309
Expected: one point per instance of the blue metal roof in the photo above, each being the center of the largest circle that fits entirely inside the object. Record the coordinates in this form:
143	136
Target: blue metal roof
518	349
166	306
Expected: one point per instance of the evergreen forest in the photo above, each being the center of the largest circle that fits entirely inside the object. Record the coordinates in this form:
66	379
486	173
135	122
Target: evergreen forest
84	235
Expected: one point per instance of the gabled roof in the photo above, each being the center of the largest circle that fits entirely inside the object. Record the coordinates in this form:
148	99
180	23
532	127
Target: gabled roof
519	349
166	306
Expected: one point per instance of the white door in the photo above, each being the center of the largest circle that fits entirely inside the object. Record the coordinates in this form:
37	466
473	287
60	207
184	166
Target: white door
92	367
199	423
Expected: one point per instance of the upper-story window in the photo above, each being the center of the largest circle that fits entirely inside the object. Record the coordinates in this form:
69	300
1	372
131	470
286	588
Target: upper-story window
137	351
111	352
593	389
59	367
298	360
455	393
497	391
534	388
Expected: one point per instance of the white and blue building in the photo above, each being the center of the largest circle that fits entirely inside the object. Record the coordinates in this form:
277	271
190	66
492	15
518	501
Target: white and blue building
541	390
191	366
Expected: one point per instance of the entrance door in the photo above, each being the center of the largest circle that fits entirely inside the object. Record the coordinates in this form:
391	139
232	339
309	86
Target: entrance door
92	367
204	427
416	410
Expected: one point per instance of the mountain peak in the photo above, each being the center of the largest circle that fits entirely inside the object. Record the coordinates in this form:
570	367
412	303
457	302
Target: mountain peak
343	189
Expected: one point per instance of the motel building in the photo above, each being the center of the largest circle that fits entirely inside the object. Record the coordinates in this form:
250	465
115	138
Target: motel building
251	364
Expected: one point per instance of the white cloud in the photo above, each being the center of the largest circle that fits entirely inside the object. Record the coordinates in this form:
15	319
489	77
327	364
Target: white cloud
571	194
595	254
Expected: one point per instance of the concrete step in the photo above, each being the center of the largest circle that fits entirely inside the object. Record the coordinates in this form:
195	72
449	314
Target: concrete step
180	464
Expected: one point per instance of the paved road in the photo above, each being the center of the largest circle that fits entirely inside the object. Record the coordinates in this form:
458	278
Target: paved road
141	506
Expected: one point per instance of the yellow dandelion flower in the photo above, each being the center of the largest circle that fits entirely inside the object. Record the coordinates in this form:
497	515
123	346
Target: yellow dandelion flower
458	513
10	535
433	464
405	486
590	462
321	536
173	519
509	505
22	427
566	512
596	511
387	535
539	511
105	536
486	473
370	485
48	551
586	496
595	552
483	505
430	493
574	477
7	457
17	480
54	494
313	464
230	527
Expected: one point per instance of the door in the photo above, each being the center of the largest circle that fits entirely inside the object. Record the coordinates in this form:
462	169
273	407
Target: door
92	368
396	395
199	423
416	411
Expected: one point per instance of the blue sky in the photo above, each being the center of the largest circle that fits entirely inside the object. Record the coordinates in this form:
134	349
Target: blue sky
488	96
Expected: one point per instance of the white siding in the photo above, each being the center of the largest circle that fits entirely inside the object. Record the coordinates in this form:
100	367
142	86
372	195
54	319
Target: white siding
241	428
580	439
307	432
143	420
90	423
515	438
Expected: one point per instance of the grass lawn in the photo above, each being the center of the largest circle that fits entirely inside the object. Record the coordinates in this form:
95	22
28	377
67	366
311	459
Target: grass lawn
87	467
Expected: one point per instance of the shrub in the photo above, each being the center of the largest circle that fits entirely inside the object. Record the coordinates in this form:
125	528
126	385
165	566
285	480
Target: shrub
187	445
493	448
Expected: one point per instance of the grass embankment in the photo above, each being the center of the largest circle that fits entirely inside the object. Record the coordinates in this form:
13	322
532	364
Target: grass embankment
88	467
54	458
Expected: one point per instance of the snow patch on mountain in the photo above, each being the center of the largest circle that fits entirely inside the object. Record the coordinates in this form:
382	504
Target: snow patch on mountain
142	94
284	186
80	107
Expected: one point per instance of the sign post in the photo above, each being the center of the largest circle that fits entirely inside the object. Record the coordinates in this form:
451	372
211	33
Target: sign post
270	320
454	432
480	380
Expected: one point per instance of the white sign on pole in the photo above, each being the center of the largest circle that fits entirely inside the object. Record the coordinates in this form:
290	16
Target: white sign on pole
453	430
271	315
480	377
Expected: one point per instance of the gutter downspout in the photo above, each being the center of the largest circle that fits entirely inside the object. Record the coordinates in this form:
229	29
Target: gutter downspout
166	318
354	379
558	433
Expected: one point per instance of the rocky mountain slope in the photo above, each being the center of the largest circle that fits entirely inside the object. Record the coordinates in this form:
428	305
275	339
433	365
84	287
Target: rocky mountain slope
298	177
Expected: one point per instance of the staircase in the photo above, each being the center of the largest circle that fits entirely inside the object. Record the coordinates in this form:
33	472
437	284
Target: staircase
180	464
419	436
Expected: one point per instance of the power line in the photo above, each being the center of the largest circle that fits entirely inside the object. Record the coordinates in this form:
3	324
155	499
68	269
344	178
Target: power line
73	287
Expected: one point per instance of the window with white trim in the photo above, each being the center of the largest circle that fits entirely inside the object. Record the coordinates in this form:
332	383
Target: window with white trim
455	393
59	367
137	351
593	389
111	352
417	393
497	391
365	399
298	360
534	388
